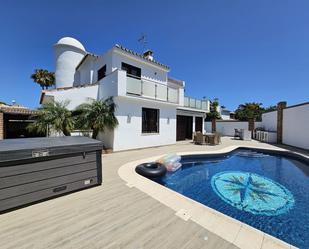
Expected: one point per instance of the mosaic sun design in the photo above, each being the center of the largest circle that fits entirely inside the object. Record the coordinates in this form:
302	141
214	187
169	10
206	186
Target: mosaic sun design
252	193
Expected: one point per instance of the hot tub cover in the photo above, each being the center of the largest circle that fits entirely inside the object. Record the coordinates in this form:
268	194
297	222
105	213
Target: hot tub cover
26	148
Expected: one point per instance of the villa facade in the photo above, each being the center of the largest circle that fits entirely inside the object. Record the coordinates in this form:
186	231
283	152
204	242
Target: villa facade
151	107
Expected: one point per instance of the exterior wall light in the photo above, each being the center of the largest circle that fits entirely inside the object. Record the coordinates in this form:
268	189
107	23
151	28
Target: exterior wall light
128	118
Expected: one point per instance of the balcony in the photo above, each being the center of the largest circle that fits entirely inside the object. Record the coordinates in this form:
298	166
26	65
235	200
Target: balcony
196	103
151	90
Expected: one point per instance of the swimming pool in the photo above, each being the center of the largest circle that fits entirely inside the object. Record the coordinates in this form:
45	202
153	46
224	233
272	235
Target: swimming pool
267	191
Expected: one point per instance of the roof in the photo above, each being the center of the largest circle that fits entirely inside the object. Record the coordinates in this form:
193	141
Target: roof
129	51
71	42
16	110
84	58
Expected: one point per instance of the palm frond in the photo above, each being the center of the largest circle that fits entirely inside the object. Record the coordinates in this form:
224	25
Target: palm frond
97	115
55	116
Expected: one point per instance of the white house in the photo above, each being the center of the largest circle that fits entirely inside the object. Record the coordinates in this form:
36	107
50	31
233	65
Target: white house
225	114
151	107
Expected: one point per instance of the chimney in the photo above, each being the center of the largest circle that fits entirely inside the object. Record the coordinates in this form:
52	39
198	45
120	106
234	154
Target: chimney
148	54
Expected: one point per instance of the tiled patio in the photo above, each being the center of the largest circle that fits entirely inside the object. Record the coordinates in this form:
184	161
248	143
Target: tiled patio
113	215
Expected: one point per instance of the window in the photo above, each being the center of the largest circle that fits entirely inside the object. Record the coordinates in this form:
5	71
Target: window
102	72
150	120
132	71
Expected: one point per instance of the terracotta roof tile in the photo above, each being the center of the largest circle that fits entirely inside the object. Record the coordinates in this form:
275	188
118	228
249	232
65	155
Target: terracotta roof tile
141	56
16	110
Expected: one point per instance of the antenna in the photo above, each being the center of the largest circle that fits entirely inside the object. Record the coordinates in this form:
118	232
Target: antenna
143	41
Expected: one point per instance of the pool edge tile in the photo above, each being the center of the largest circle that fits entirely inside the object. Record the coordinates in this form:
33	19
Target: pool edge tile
270	242
249	237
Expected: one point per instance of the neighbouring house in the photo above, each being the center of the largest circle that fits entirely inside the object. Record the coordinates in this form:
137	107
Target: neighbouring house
13	121
226	114
151	107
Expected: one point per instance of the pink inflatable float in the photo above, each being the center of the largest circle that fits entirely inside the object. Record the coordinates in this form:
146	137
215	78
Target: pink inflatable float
171	162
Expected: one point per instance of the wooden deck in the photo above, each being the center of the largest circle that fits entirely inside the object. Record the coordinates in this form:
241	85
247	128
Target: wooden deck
110	216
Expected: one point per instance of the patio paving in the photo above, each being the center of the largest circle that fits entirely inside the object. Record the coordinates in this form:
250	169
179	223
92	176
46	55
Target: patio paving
112	215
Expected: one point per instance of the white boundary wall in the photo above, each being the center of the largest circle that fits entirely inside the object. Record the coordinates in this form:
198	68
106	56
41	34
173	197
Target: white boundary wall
227	128
296	126
269	121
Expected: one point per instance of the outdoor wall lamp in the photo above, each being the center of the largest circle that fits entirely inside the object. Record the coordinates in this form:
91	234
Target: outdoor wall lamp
128	118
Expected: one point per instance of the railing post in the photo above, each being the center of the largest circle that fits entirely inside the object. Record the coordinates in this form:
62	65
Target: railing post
142	85
156	91
167	94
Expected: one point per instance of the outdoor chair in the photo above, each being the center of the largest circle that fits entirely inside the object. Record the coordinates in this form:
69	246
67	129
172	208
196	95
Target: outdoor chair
217	138
199	138
237	133
211	139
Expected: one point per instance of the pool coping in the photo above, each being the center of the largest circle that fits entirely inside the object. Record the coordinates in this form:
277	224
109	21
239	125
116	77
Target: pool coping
232	230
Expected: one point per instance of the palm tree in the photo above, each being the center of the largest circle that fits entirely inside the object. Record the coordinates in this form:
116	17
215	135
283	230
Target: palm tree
213	115
44	78
97	115
54	116
249	111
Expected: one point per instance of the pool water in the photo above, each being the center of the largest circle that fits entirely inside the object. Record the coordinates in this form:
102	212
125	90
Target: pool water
267	191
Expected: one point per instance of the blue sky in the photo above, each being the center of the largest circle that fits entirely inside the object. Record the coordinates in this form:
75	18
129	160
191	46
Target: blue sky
238	51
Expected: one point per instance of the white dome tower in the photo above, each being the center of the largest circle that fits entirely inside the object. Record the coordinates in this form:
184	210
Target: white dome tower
69	52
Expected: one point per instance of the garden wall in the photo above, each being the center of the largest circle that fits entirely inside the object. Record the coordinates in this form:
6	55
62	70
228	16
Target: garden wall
227	128
296	126
269	121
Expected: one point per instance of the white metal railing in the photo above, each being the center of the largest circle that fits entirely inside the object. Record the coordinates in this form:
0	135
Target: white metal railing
196	103
151	89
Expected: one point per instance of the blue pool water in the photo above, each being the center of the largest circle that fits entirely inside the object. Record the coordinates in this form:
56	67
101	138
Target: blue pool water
269	192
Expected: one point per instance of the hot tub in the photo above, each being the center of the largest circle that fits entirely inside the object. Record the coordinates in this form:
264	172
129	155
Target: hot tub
36	169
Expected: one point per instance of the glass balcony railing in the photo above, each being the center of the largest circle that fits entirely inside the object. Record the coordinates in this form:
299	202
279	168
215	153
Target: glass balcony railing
152	90
196	103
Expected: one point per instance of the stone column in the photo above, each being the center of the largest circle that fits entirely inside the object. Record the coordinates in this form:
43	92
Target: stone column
1	126
213	125
280	107
251	124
